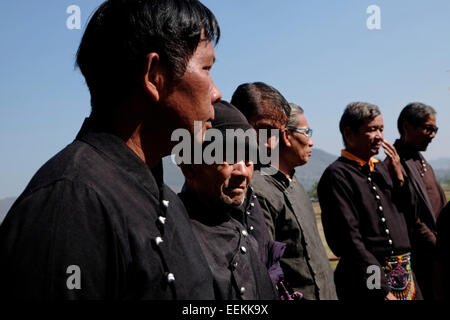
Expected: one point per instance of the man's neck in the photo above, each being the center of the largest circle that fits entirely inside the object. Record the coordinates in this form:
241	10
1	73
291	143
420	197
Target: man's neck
149	145
409	146
357	154
286	168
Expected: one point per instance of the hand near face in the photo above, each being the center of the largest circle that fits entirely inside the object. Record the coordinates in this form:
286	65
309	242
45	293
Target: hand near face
393	162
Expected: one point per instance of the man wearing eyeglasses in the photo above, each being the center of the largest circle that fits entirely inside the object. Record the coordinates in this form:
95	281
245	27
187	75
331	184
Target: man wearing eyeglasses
417	127
287	208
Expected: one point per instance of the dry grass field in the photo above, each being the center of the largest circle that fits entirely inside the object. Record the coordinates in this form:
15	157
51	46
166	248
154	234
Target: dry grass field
331	256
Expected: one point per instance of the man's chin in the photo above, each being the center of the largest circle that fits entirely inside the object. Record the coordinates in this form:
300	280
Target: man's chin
234	201
374	151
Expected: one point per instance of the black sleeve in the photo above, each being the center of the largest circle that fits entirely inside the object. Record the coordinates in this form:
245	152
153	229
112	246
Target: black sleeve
56	244
340	219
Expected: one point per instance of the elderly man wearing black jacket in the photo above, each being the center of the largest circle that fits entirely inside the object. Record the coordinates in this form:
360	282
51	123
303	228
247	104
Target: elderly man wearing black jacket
417	127
227	219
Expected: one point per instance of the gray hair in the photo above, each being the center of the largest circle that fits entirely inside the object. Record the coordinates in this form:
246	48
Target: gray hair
356	114
414	113
295	110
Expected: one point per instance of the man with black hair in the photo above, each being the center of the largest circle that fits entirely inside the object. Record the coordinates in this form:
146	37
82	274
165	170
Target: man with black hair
97	221
417	127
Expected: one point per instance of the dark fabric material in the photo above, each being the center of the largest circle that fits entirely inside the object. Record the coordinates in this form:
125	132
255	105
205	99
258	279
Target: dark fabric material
96	205
430	201
361	214
290	217
236	244
442	283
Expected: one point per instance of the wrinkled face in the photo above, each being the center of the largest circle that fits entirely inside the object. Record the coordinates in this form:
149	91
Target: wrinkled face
421	136
366	142
193	96
226	183
301	143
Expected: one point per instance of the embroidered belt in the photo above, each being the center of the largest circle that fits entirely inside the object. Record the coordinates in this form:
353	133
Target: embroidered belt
400	277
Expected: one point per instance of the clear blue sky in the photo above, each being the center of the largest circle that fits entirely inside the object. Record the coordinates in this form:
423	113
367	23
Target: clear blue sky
318	53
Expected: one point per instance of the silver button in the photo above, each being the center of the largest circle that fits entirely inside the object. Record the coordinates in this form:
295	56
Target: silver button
378	197
248	212
165	203
243	249
369	179
235	264
242	290
170	278
252	204
158	241
162	219
387	231
374	188
251	228
380	208
390	241
383	219
253	196
244	233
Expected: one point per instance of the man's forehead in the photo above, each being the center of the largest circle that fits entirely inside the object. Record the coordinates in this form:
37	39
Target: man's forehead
431	119
378	120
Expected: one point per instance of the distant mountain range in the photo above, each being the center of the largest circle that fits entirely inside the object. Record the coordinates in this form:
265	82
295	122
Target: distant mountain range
307	174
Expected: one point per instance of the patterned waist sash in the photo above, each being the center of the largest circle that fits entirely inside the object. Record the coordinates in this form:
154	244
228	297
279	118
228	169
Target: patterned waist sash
400	277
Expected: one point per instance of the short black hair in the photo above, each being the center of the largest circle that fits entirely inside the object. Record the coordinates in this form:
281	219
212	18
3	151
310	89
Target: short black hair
259	101
356	114
121	33
415	113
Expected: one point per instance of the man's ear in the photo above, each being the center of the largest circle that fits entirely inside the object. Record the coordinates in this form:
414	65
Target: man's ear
153	77
348	135
406	128
286	138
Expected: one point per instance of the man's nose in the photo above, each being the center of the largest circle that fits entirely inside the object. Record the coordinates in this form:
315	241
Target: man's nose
216	95
380	134
240	169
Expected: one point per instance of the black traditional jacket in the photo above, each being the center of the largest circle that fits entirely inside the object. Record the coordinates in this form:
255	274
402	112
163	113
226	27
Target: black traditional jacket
95	211
236	244
363	220
423	230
